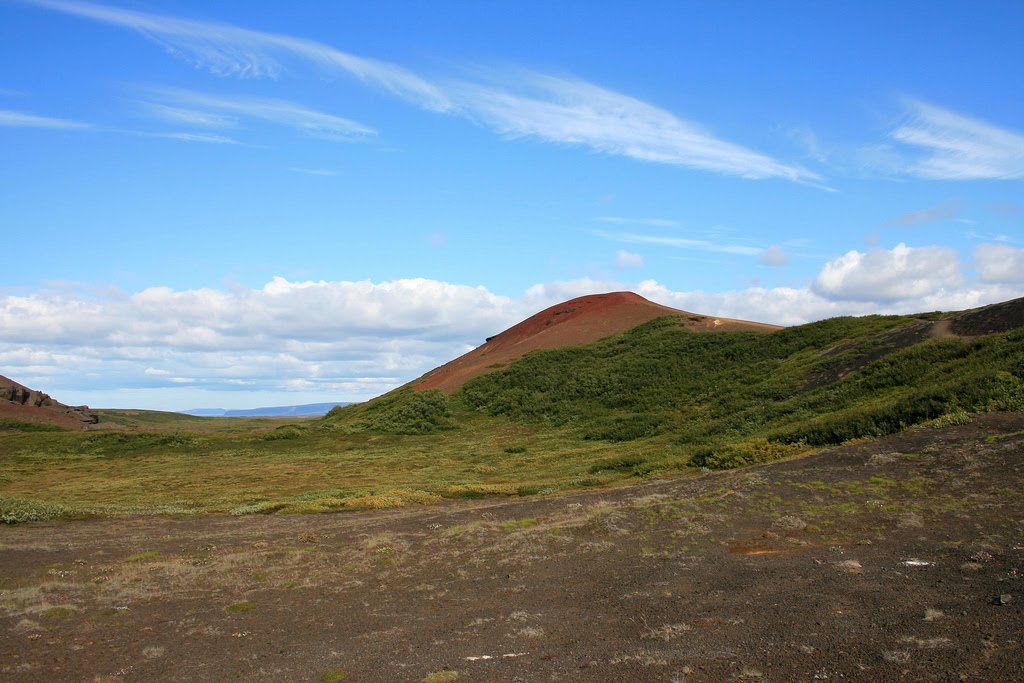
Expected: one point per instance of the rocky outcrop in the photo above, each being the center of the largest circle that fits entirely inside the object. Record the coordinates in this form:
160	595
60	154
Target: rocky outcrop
26	404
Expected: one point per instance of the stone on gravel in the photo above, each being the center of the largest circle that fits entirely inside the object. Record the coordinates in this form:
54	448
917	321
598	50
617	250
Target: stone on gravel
910	520
850	566
790	523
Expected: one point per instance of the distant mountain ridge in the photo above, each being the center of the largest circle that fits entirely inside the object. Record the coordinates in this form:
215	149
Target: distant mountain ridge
304	410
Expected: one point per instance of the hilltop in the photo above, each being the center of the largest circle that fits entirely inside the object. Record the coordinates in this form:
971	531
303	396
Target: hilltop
582	320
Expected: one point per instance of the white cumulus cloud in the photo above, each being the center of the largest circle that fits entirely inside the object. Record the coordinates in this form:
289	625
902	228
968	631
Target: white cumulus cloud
889	274
774	256
999	263
627	259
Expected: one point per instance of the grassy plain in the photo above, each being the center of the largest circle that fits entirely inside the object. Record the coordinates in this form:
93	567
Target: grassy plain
250	469
657	401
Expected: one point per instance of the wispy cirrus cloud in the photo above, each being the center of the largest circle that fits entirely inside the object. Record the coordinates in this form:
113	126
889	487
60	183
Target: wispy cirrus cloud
514	103
191	117
195	137
313	171
21	120
575	112
680	243
959	147
17	119
283	112
657	222
230	50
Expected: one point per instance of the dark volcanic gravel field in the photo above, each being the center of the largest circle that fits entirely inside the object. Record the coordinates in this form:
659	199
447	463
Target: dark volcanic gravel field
900	559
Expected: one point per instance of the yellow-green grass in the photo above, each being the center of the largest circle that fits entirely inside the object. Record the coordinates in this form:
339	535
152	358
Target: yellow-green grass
244	471
159	420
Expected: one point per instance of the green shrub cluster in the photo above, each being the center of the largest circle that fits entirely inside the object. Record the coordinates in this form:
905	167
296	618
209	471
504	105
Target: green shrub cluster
283	433
21	510
753	452
408	412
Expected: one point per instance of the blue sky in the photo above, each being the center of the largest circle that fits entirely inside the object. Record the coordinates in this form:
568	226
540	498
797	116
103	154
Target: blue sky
248	203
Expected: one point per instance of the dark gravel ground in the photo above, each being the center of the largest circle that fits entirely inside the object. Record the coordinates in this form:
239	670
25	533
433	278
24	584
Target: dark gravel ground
900	559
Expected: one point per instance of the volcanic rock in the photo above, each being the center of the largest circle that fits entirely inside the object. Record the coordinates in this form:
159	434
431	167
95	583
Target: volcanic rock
21	404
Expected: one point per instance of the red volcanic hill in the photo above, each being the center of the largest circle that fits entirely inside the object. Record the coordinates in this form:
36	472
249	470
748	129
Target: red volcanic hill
579	321
21	404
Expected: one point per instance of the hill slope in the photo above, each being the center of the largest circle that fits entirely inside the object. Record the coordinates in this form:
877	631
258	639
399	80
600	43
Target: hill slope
578	321
18	403
736	397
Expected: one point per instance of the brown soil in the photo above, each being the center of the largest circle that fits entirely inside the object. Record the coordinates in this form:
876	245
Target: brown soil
21	404
900	559
577	321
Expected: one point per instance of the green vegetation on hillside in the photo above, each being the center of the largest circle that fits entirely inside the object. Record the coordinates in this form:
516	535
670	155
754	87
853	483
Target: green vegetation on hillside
659	400
744	397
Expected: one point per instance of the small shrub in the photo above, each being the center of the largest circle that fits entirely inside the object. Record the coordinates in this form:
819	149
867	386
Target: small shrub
391	499
951	419
262	508
334	676
409	412
441	677
284	433
21	510
753	452
142	557
514	524
239	607
515	449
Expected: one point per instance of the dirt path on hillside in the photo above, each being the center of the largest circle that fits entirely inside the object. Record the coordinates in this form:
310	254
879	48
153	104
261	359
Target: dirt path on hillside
942	329
895	560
